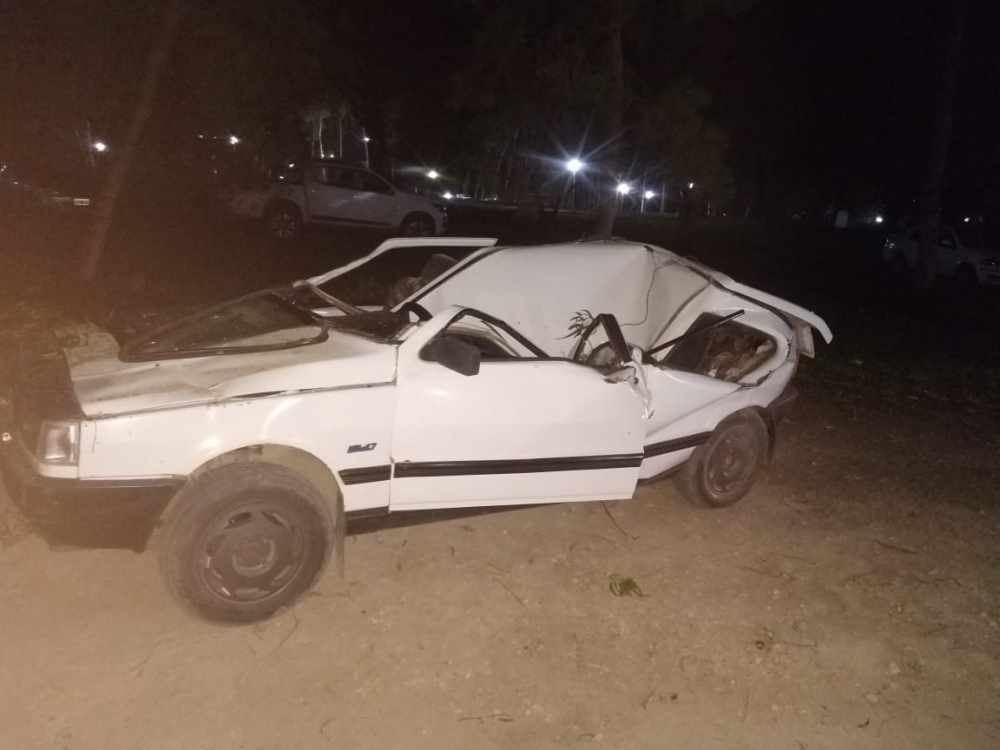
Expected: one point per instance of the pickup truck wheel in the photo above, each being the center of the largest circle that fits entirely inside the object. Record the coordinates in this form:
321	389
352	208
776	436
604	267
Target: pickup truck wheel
283	223
247	540
723	468
417	225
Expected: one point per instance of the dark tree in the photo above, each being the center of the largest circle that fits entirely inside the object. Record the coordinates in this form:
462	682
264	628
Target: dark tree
932	181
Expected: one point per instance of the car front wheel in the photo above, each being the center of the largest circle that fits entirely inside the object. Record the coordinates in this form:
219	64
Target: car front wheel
417	225
247	540
723	469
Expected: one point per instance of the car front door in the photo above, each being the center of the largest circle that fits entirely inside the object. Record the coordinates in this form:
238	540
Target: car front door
373	202
485	418
329	198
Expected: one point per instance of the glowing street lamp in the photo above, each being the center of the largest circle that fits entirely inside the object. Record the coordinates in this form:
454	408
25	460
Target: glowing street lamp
233	140
433	174
366	140
100	147
573	165
647	196
623	189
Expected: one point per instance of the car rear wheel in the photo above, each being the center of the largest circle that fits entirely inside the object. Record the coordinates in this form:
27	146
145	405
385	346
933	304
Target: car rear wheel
247	540
283	223
417	225
723	469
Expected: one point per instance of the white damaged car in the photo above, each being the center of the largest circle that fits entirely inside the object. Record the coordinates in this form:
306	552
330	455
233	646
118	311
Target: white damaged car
241	438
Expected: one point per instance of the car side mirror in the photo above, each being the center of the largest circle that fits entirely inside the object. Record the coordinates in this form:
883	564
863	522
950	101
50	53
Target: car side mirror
456	354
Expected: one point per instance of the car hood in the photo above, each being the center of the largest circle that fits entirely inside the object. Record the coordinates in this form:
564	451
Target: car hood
104	385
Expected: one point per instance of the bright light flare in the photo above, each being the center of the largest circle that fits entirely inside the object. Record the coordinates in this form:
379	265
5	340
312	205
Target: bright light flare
233	140
100	147
624	188
448	196
878	219
433	174
690	186
574	165
649	194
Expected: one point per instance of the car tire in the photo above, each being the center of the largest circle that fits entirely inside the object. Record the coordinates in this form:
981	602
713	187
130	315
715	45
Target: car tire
246	541
966	275
417	225
723	468
283	222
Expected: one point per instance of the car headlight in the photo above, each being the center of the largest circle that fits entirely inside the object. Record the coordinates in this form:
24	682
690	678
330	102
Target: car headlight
58	442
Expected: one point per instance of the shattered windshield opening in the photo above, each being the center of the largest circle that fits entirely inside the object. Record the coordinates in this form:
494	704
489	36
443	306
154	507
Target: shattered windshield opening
259	322
374	323
380	325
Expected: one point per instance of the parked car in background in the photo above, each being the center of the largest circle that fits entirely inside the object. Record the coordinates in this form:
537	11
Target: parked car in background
243	435
955	259
329	192
20	192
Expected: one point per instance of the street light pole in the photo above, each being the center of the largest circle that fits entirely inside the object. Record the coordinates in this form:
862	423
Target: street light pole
574	166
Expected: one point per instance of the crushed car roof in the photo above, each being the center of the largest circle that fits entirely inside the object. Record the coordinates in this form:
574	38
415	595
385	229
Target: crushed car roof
539	289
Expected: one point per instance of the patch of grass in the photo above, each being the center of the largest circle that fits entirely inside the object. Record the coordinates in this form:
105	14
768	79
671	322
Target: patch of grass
13	527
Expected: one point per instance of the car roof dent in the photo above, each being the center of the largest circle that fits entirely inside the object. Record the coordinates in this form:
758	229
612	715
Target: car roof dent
645	287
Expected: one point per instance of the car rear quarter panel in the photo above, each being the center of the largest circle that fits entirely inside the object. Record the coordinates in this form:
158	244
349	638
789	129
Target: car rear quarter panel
345	429
707	418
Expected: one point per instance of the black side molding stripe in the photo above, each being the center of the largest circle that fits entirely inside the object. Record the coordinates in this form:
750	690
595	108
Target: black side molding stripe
365	474
677	444
520	466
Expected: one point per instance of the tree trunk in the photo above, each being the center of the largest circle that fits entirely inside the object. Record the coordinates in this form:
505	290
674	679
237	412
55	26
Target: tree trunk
932	181
606	187
93	245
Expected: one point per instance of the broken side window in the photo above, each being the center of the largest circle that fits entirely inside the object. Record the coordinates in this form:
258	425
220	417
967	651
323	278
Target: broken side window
494	339
728	351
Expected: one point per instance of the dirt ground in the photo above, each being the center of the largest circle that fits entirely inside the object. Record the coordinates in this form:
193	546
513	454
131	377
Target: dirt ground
850	601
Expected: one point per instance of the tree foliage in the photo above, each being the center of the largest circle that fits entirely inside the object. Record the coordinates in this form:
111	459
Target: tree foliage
557	77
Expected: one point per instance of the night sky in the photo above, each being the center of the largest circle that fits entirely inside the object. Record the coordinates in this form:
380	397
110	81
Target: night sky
830	100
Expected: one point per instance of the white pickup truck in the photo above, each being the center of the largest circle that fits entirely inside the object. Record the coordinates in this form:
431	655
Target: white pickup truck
955	259
329	192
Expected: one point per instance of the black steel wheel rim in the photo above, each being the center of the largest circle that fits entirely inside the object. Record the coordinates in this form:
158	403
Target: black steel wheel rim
732	462
252	553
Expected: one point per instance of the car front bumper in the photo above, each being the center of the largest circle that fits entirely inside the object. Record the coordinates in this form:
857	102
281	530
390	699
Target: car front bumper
86	513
